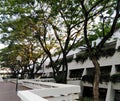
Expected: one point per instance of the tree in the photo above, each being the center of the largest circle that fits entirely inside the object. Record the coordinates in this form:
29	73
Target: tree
20	42
59	20
67	19
41	19
5	60
89	11
107	32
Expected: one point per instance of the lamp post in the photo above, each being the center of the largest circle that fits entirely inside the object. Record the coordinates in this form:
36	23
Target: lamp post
19	59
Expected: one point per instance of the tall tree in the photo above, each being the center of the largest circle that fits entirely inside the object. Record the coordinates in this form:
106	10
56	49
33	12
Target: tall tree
20	41
67	19
89	12
61	19
88	19
45	19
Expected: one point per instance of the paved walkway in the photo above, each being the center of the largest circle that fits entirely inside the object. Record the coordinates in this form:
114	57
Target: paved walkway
8	91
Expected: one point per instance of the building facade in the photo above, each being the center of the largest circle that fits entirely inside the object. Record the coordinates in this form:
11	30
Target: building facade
81	72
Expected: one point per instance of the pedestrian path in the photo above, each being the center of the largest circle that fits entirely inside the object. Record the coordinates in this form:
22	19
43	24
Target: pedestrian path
8	91
1	80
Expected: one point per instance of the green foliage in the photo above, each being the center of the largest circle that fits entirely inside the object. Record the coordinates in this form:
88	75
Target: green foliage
92	37
82	56
55	23
118	25
7	57
79	43
69	58
106	52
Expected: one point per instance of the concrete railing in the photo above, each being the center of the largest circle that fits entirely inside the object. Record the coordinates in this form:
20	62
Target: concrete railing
49	92
45	80
29	96
38	85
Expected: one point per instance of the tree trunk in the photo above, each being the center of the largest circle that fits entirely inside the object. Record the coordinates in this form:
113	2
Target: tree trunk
65	71
96	79
31	75
65	68
60	76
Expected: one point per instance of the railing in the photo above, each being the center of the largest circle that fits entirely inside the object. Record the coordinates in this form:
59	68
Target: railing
39	85
29	96
45	80
49	92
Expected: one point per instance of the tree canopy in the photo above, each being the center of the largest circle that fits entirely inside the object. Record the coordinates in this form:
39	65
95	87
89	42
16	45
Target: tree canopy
57	26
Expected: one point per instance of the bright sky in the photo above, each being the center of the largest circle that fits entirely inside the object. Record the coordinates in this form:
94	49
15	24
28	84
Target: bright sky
2	46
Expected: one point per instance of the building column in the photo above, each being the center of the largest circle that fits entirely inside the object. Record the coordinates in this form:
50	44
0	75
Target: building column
84	72
113	70
110	93
117	44
68	74
81	83
81	88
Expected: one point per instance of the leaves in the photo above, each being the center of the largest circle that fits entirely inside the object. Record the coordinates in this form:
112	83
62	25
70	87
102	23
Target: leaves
55	26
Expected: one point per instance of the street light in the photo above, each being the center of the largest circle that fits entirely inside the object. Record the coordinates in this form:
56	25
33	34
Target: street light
19	59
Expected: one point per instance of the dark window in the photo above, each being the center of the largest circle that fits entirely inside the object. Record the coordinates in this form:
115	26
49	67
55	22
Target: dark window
76	73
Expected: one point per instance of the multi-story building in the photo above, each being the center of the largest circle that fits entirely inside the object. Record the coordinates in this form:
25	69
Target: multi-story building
81	71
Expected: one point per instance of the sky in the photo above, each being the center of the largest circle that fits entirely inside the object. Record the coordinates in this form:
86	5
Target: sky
1	46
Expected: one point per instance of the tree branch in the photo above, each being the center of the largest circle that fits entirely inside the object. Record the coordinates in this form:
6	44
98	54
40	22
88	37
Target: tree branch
111	32
85	12
57	37
96	3
74	40
98	12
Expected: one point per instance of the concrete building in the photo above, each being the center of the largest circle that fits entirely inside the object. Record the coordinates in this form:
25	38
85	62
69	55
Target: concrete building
109	60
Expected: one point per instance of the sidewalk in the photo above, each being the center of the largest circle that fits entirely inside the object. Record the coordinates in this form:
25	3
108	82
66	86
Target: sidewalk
8	91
